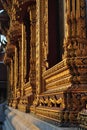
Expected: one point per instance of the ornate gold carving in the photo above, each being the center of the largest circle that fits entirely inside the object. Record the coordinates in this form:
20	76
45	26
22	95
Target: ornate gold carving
65	73
38	47
50	101
57	77
60	92
25	102
18	93
45	35
53	114
82	119
27	89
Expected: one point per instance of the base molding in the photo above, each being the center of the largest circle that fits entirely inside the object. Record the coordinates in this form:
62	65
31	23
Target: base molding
56	116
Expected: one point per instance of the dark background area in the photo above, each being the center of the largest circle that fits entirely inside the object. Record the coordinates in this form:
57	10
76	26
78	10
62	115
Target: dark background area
3	81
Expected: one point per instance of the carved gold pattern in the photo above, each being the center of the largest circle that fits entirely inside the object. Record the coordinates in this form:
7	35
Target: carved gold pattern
82	119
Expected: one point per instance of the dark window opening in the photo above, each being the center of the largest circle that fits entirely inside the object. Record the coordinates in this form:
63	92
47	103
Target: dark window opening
85	104
3	82
86	18
55	31
27	28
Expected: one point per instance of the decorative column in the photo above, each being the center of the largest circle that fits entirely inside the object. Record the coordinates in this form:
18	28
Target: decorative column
68	18
73	18
44	26
75	27
75	53
15	71
11	77
41	43
81	18
22	60
38	48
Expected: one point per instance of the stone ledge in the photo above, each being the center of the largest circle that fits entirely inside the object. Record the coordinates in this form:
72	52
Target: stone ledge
17	120
26	121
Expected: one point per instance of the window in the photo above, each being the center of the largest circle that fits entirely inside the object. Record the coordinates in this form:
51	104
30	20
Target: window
27	29
55	31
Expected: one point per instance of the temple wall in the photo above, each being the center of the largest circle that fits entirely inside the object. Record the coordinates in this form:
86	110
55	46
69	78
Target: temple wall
53	88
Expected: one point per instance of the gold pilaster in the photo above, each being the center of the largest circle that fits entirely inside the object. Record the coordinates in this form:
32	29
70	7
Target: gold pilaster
15	71
11	77
22	60
68	13
38	48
